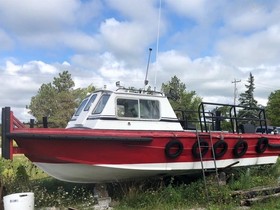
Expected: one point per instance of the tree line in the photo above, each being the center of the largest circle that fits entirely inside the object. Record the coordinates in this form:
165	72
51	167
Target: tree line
58	99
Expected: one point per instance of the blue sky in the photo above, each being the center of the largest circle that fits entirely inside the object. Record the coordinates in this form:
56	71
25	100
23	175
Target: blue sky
206	43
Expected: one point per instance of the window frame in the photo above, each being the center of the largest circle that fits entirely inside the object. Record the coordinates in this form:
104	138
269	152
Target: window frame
123	109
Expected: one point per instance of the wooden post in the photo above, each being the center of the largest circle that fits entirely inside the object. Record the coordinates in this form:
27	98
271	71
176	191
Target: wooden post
45	122
2	194
6	129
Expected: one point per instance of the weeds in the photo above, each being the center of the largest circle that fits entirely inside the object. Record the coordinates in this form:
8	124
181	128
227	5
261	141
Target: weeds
20	175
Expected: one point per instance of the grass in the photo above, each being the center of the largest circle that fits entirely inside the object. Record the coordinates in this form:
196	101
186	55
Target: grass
20	175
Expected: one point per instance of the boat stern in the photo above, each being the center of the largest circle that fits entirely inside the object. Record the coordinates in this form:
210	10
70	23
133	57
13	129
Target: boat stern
9	123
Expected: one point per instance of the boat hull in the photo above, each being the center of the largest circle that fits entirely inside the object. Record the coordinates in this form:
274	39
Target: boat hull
99	173
105	155
91	156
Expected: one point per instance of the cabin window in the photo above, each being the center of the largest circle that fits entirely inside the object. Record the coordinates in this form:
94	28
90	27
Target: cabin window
101	104
91	100
127	108
145	109
149	109
80	108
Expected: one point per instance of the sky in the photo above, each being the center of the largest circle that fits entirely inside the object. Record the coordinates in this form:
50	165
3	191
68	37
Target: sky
207	44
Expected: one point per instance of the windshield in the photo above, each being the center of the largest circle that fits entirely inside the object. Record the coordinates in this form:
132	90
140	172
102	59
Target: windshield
80	108
93	97
101	104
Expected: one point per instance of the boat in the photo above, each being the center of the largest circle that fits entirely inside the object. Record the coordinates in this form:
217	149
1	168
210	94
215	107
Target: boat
128	134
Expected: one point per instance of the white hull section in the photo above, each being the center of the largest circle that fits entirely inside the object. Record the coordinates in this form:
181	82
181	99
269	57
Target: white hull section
83	173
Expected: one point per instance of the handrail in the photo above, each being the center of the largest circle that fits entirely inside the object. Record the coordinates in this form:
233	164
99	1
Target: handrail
233	117
134	90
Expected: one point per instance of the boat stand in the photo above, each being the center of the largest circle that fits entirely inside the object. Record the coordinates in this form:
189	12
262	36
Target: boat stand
101	197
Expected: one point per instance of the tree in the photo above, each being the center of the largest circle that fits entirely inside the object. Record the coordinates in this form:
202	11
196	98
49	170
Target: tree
180	98
64	82
273	108
57	100
247	99
43	104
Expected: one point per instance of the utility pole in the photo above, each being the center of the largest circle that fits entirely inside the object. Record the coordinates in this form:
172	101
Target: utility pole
234	102
235	90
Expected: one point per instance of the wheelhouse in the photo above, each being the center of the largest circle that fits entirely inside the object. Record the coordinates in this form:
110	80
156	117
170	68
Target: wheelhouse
125	109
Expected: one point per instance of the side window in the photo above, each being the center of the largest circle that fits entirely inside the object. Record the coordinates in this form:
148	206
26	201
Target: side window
80	108
127	108
91	100
149	109
101	104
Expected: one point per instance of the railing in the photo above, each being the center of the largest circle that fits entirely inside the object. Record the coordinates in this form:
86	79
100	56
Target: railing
238	122
139	91
240	119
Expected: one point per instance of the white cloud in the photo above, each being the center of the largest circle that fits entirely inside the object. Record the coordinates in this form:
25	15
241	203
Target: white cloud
114	70
126	40
254	50
207	76
32	67
250	16
206	44
12	68
80	42
191	8
129	35
20	82
137	11
31	16
253	19
50	24
65	63
45	68
108	71
90	62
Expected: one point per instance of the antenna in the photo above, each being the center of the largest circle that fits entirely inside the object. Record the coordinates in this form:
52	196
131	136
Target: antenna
146	81
158	31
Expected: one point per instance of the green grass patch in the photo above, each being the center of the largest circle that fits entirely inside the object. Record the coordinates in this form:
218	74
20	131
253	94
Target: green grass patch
20	175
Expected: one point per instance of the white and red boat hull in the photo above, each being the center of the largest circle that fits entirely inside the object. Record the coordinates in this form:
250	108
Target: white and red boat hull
88	151
96	173
112	155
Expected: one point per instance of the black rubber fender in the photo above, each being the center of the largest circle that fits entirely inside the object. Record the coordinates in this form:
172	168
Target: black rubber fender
240	148
220	148
204	146
262	145
174	144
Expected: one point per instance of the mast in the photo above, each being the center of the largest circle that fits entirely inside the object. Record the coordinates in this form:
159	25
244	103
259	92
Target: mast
147	70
